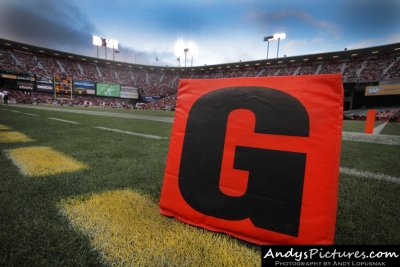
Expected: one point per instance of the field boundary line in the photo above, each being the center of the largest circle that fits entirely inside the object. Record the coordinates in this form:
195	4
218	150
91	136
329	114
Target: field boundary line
131	133
103	113
378	129
367	174
371	138
67	121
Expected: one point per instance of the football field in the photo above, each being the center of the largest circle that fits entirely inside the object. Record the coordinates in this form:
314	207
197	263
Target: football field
81	186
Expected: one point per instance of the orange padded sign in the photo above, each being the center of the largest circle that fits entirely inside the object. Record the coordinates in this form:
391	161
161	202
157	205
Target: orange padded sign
370	122
257	158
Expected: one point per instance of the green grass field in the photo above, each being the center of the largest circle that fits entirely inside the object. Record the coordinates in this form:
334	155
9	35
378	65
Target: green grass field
123	111
34	230
356	126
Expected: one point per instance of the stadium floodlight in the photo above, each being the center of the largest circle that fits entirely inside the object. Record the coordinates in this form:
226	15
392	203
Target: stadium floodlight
267	39
193	50
279	37
110	43
113	44
188	48
97	40
178	47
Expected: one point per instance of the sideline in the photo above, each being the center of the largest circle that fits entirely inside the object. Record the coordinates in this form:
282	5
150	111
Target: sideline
346	136
101	113
67	121
378	129
131	133
371	138
366	174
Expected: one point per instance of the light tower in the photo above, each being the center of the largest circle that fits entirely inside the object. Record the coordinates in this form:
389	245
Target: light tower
279	37
186	50
267	39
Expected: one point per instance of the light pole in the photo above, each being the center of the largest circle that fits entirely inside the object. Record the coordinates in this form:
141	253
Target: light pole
277	49
98	41
105	47
186	50
279	36
267	39
189	49
113	53
116	51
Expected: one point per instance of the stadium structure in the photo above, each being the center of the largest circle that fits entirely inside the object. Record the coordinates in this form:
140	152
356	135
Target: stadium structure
35	69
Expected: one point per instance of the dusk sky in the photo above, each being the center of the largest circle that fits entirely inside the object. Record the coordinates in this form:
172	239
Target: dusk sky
223	30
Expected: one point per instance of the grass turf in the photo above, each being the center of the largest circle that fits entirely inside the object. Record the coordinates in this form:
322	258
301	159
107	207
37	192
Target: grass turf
123	111
129	229
356	126
34	232
391	128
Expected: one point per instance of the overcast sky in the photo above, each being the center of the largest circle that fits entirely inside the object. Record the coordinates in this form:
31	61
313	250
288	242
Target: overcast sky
223	30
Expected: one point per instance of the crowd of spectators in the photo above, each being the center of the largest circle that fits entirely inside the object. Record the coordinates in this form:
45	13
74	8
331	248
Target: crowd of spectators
164	104
36	98
26	97
165	84
383	114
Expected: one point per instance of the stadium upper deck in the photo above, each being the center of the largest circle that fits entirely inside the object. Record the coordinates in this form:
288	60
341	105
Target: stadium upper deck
360	66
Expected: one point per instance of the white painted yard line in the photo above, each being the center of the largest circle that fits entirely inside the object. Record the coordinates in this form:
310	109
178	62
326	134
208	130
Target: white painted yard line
378	129
103	113
31	114
371	138
67	121
131	133
15	111
371	175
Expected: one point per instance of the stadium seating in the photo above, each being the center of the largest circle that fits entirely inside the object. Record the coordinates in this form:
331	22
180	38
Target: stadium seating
157	82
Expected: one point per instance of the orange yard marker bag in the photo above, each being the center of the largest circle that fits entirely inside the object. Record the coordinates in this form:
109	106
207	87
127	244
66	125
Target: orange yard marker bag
257	158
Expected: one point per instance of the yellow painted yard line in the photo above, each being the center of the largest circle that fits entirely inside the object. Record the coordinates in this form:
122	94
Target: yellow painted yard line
13	137
43	161
4	127
129	230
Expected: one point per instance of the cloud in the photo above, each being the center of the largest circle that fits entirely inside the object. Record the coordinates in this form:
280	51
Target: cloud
141	57
395	38
282	19
371	17
58	25
302	46
45	23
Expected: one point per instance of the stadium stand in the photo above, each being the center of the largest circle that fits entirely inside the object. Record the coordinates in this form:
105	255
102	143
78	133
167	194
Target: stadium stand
362	67
383	114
